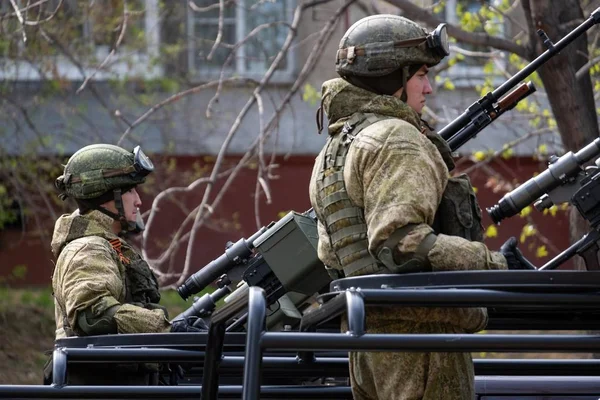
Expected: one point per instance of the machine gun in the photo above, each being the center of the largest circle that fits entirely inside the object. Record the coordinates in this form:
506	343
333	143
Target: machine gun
566	180
281	258
485	110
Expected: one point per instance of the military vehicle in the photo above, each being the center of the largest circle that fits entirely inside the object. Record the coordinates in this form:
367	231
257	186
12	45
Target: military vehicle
278	335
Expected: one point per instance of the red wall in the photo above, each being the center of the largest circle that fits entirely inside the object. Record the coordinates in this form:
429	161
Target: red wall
234	217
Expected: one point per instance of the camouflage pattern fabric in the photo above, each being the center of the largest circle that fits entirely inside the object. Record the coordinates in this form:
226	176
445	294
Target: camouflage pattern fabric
398	177
412	376
90	274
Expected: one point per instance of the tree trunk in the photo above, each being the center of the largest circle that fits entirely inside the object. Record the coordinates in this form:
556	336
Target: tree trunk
571	100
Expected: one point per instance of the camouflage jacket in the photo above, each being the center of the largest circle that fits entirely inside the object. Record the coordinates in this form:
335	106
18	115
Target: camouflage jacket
91	274
397	176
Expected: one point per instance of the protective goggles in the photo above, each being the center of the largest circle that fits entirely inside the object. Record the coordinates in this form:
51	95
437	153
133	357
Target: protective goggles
141	163
437	41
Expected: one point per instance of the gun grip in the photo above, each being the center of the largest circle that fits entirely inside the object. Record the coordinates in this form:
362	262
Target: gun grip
590	256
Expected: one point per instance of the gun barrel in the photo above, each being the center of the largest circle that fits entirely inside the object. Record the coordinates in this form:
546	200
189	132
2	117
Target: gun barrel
558	172
235	254
474	118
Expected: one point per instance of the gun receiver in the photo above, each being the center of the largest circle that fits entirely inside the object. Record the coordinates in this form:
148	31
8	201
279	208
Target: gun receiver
485	110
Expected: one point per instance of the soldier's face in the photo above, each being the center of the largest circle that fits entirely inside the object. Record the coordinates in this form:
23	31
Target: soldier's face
417	87
131	203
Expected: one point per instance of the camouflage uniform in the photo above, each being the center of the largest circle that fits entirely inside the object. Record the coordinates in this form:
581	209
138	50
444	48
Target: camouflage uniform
91	274
101	285
396	176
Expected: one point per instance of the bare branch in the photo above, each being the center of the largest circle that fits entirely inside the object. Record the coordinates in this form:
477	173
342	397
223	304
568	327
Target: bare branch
176	97
580	74
20	18
112	51
261	164
309	65
52	14
230	58
220	30
197	9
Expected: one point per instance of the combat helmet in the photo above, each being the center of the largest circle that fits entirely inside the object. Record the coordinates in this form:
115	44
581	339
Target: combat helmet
104	172
384	45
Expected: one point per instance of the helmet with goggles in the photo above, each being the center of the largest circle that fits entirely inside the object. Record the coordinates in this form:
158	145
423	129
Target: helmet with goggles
381	44
102	172
99	168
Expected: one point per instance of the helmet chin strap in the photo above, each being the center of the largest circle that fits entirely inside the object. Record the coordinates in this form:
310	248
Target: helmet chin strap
126	226
404	96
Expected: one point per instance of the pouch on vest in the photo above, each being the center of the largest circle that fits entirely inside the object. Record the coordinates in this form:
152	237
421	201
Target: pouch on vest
458	213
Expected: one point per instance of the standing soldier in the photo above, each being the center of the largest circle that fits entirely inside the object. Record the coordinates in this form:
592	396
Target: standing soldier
385	203
101	284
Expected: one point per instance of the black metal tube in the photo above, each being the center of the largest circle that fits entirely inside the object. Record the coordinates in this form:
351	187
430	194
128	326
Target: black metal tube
475	298
528	367
138	355
356	312
431	342
451	129
545	387
214	353
257	313
167	392
59	367
565	255
98	392
462	137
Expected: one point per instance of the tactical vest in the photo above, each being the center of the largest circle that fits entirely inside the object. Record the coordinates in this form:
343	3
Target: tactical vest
140	286
344	222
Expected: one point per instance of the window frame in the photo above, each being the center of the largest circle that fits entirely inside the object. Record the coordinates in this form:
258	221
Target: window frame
208	73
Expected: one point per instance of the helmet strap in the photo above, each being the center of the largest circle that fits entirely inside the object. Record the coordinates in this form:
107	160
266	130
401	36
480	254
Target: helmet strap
404	72
126	226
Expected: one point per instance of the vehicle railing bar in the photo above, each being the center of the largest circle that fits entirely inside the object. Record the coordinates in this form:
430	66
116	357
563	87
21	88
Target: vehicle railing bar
168	392
431	342
59	367
457	297
334	366
476	297
256	328
355	306
214	346
484	385
542	386
324	313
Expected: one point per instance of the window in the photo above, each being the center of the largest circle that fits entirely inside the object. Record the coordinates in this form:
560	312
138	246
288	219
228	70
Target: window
84	30
253	56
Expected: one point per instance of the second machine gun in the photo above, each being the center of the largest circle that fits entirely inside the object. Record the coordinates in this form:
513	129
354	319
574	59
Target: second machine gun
281	258
567	179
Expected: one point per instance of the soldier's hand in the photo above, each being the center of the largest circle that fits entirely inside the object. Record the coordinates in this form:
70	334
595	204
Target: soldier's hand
189	325
514	258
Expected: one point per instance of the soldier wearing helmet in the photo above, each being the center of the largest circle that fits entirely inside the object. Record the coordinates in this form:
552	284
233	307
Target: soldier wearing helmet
101	284
386	205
